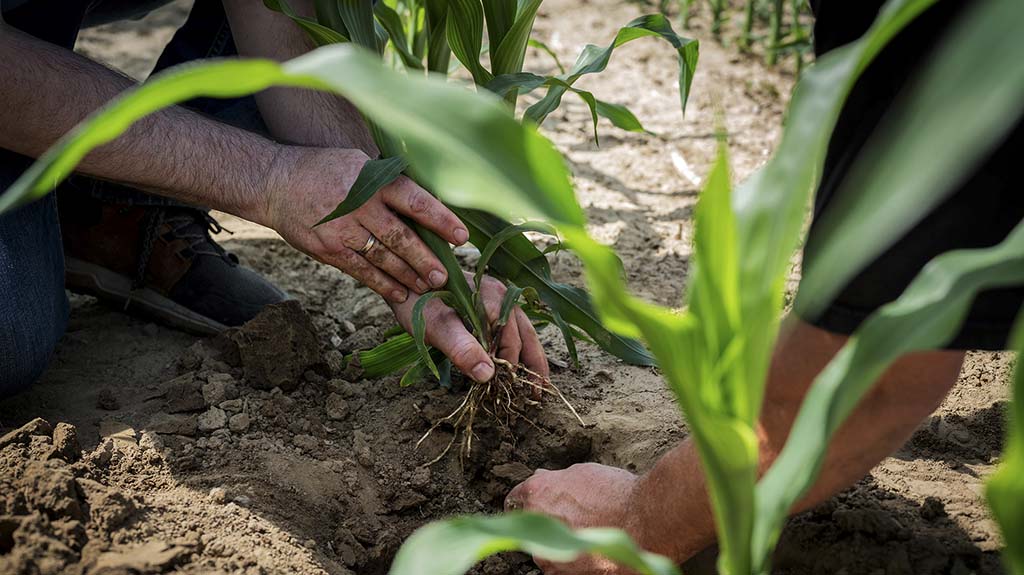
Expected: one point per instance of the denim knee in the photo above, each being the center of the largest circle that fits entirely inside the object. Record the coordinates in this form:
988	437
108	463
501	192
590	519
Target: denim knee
33	304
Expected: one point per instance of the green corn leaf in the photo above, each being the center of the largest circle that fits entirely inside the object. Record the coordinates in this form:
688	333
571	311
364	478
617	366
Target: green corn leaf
358	18
465	36
534	43
438	52
374	175
1004	490
321	35
462	296
519	261
714	297
620	116
567	335
594	59
512	231
499	14
419	327
445	367
394	354
327	13
511	48
417	372
508	303
392	24
420	371
927	316
923	148
524	82
452	546
771	206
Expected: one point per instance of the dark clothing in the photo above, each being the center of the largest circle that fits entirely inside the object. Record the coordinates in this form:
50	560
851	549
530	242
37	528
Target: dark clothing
33	304
980	213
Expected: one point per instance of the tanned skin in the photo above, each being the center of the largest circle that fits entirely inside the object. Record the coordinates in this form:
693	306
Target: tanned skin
286	183
667	509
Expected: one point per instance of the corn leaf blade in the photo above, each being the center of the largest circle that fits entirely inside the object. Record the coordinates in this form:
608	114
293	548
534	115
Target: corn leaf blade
392	24
511	47
320	34
594	59
518	260
926	316
465	36
358	18
452	546
419	327
923	148
1004	490
512	231
499	15
395	353
374	175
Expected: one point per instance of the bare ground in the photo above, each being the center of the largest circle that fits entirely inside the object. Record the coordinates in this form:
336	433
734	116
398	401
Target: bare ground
255	453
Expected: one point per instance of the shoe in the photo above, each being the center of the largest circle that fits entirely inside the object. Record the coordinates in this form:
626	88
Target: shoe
159	262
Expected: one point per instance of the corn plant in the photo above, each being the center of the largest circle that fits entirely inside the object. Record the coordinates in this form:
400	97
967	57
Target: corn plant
420	36
714	354
1005	489
781	39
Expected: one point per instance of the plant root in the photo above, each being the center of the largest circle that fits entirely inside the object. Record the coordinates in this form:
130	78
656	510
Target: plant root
502	399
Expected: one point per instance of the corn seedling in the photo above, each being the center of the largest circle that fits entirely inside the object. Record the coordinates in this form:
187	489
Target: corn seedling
714	354
763	21
420	36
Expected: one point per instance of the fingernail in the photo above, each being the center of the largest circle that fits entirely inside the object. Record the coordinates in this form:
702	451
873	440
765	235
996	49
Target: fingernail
482	371
436	278
399	295
421	285
461	235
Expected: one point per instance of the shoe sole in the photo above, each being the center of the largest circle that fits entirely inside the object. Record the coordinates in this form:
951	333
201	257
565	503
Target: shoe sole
90	279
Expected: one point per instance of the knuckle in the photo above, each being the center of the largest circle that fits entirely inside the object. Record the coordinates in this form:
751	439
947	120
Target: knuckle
420	202
464	351
398	237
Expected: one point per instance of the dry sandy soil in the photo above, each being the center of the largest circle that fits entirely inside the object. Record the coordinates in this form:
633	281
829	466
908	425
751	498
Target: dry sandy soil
255	453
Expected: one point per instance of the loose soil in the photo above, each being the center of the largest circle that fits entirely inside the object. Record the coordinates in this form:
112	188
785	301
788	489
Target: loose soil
254	452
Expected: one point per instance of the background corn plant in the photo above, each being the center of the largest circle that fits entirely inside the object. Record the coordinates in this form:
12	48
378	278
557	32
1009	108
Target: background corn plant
714	354
419	37
779	27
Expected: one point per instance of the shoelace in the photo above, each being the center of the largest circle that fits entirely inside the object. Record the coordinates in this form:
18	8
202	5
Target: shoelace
192	225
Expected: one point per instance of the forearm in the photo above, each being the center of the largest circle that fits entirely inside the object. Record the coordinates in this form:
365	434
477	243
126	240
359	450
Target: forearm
47	90
306	117
672	512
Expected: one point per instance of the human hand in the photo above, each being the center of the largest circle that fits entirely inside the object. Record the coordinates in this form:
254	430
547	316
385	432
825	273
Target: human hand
517	342
305	184
584	495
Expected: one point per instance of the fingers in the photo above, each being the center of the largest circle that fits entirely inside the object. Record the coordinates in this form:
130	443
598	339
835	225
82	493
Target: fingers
382	257
370	275
532	353
522	496
509	342
408	199
446	332
404	243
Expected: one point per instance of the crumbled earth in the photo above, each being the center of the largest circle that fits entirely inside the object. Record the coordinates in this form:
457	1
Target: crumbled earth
258	452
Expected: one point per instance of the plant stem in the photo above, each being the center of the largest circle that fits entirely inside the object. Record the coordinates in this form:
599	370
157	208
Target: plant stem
748	26
776	33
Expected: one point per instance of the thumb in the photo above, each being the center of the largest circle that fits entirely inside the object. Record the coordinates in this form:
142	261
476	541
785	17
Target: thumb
451	337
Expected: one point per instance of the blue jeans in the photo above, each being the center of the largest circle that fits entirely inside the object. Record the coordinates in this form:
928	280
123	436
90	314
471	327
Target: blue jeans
33	307
33	304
